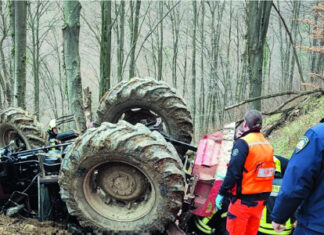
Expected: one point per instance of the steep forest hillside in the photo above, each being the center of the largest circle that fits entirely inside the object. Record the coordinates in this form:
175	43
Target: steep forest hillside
285	138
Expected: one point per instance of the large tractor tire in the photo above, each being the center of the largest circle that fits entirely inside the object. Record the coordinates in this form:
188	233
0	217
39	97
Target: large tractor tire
15	123
143	100
122	178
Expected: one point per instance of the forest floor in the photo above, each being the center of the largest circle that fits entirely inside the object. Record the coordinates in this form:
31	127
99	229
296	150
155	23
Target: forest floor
10	225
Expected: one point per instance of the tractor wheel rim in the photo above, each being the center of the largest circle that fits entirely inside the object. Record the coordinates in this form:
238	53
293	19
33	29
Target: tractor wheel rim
119	191
122	182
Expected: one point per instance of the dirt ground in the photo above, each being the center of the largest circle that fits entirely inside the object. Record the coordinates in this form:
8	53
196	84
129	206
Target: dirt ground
26	226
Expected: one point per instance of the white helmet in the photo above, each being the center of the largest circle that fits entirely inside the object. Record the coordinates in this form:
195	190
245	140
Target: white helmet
52	124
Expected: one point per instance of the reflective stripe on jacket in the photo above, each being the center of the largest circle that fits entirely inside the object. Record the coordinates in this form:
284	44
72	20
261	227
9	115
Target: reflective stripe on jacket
259	166
265	222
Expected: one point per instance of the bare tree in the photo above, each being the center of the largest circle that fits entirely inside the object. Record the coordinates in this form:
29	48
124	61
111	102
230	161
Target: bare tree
71	32
120	41
20	54
5	75
175	17
193	75
105	47
258	21
202	80
34	24
134	24
160	45
12	48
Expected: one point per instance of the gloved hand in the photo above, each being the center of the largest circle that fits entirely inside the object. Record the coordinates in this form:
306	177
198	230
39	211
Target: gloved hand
218	201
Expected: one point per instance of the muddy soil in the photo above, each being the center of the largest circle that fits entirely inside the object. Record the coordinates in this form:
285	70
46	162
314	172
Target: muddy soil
26	226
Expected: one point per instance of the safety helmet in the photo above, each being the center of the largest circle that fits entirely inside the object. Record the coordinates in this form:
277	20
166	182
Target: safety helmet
52	124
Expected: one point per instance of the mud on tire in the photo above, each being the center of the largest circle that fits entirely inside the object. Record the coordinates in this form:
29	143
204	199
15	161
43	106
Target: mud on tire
152	95
120	177
16	121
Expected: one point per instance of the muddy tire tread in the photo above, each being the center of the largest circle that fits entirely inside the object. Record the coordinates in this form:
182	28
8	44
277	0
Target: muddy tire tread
144	146
26	124
152	94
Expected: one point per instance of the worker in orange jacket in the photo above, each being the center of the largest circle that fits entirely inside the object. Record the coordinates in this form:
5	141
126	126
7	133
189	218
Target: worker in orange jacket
249	178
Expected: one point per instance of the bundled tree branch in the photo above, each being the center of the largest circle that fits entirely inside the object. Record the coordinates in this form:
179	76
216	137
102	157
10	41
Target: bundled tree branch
285	113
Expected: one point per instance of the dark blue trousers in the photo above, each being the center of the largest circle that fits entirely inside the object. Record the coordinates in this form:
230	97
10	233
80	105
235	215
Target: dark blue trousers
301	230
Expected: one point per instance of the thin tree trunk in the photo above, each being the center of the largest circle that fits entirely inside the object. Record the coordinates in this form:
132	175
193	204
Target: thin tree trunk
134	37
202	80
5	79
160	49
120	50
10	87
291	43
228	94
62	78
34	25
314	55
193	74
71	32
175	23
238	62
105	48
20	53
294	25
184	87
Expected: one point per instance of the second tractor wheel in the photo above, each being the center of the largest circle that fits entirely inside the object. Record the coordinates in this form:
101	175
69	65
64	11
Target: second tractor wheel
17	124
144	100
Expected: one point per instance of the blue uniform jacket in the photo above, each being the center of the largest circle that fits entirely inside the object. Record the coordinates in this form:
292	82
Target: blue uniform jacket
303	183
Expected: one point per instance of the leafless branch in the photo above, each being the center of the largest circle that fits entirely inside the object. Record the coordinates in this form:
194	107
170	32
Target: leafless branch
298	93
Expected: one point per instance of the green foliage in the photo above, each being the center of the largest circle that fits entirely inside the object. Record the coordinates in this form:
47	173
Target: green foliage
271	119
284	140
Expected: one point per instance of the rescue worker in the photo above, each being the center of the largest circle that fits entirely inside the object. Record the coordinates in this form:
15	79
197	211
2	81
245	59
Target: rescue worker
52	133
265	222
249	178
214	224
303	186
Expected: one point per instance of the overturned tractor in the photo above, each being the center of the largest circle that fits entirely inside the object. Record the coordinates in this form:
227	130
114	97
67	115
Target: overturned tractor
127	174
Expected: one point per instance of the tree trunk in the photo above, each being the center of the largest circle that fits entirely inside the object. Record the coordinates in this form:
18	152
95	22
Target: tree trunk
5	80
184	87
10	87
202	80
105	48
120	50
193	74
71	32
228	94
134	37
213	88
258	21
238	62
34	26
20	54
160	50
294	25
175	23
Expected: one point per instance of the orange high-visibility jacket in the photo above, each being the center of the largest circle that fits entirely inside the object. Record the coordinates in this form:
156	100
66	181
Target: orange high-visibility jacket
259	166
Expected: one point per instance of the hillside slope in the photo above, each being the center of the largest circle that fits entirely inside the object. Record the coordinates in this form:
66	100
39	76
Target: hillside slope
285	138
